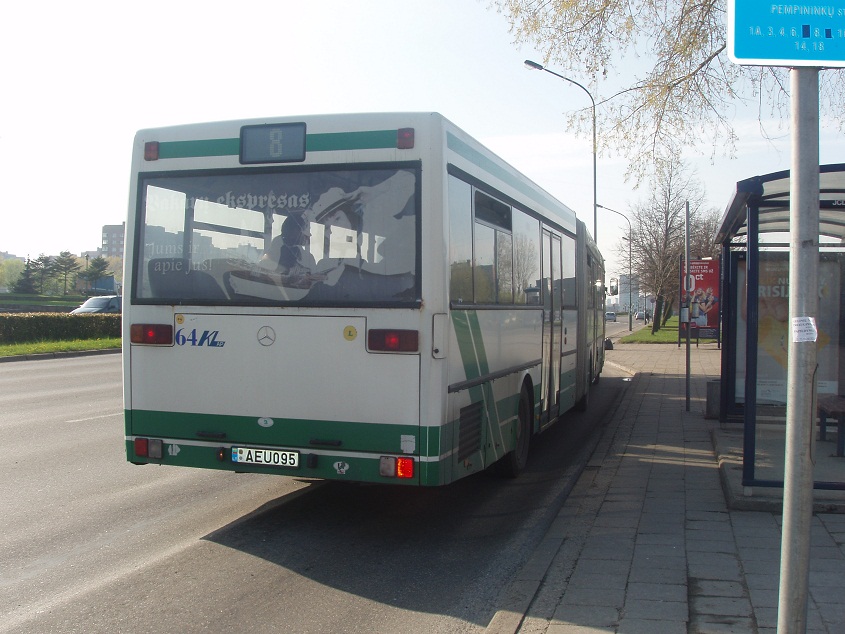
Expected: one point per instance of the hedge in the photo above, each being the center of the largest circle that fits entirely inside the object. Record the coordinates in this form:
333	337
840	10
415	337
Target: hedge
28	327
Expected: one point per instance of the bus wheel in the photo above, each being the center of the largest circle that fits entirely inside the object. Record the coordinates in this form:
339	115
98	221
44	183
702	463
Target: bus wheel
514	462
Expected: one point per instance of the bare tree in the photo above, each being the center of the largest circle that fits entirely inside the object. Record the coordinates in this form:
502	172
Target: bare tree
658	233
687	90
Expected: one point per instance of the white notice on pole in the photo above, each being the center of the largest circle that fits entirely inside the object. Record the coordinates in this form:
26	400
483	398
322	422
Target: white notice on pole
804	329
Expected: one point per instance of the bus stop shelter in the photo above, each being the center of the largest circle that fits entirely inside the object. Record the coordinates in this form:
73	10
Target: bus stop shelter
754	236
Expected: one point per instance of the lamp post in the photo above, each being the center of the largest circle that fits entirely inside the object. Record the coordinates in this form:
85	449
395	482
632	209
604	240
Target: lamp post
629	240
535	66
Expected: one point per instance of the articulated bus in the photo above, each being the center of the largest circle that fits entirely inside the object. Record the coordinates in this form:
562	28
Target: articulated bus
370	298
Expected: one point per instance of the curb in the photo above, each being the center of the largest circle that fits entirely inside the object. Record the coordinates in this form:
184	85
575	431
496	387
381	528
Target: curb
59	355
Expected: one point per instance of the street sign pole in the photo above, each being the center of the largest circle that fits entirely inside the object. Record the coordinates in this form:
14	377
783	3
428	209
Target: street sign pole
801	369
805	38
689	289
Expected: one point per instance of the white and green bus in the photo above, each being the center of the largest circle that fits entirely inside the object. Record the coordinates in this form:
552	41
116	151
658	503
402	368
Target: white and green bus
371	298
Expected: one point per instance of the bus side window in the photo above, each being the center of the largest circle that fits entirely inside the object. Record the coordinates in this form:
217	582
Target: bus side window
460	242
526	264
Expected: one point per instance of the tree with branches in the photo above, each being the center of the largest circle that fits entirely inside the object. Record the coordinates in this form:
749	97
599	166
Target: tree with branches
64	265
687	89
26	283
43	268
657	225
97	269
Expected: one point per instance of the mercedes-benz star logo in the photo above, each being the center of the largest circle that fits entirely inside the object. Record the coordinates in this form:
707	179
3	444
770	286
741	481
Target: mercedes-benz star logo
266	336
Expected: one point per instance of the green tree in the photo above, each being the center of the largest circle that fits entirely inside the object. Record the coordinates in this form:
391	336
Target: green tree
10	271
65	264
96	270
43	268
687	89
26	283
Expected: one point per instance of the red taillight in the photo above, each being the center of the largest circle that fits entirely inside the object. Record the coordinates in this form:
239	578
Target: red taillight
405	139
404	467
151	151
391	340
151	334
142	447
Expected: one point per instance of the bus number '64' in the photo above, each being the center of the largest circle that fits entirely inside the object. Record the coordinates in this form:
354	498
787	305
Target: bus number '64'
207	338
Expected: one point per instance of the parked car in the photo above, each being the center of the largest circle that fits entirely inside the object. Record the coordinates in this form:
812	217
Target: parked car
101	304
610	316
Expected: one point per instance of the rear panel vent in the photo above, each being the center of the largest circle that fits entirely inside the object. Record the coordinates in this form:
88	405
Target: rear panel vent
469	440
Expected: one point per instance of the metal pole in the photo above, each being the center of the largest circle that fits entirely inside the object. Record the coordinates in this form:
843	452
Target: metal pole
630	307
595	196
801	369
687	288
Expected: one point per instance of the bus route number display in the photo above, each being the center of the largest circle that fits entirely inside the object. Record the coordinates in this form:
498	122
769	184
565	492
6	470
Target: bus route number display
799	33
273	143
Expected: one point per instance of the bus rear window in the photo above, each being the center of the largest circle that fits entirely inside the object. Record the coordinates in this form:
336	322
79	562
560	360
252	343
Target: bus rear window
304	237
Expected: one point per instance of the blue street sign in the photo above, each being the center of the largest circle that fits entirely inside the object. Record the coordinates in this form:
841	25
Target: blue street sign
767	33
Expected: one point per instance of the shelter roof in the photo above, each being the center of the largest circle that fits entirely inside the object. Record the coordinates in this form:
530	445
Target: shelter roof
768	196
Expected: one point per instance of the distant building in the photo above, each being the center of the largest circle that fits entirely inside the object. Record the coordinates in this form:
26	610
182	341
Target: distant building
113	240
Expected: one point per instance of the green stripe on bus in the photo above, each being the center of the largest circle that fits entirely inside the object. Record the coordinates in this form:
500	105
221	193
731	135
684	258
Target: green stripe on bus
326	142
285	432
478	340
205	147
372	140
463	335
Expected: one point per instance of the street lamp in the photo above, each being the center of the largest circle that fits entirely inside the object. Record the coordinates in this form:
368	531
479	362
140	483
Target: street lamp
630	254
535	66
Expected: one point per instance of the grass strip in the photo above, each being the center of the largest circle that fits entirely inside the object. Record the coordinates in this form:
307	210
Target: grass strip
668	333
46	347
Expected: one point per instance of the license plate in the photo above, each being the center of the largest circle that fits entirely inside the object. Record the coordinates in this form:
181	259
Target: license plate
265	457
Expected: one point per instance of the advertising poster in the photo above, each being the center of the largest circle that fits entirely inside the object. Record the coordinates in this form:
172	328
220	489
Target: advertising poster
773	329
700	300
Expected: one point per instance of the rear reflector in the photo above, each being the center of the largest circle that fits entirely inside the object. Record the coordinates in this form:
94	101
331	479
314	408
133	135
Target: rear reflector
391	340
151	334
156	448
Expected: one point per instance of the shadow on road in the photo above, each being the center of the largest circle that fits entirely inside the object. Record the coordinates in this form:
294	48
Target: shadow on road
446	551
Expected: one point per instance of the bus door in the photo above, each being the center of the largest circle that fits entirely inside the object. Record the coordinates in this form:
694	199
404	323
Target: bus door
553	317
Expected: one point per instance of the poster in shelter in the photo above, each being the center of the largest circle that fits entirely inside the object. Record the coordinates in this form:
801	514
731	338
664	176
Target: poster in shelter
773	328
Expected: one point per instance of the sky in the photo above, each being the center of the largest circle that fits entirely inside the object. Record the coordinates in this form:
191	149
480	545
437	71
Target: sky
79	79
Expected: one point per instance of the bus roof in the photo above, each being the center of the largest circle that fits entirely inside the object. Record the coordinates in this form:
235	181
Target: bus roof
328	133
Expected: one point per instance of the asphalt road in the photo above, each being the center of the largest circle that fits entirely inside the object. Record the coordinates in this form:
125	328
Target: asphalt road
90	543
619	328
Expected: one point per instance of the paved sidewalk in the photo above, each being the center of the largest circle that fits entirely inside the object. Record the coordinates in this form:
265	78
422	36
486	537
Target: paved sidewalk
646	542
